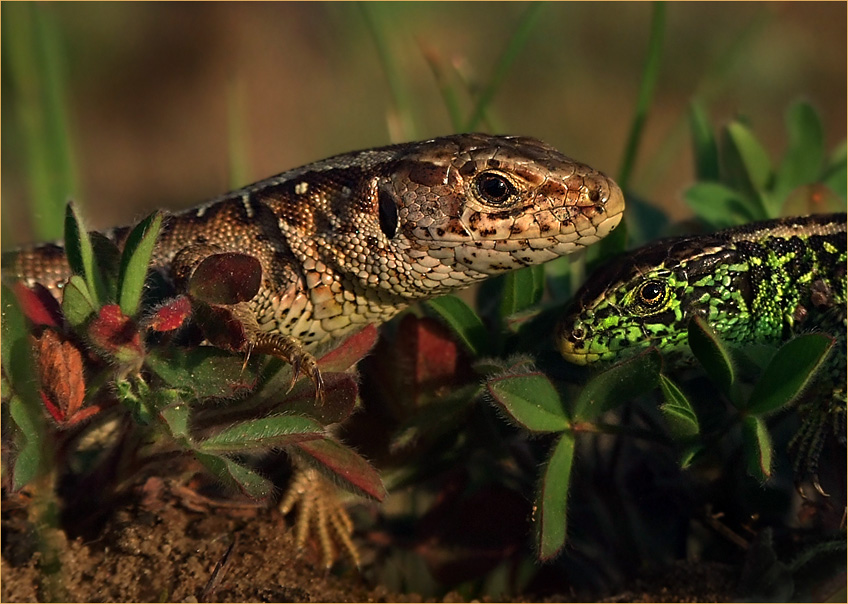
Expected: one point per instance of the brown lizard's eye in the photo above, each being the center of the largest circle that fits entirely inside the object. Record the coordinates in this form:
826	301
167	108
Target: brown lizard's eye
494	188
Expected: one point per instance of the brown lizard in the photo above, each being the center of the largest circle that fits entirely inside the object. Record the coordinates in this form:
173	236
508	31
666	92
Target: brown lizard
355	238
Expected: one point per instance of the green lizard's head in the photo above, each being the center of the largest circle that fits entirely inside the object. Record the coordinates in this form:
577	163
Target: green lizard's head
647	298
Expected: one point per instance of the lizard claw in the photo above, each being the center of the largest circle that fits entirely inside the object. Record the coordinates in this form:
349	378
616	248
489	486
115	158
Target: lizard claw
319	508
290	350
295	365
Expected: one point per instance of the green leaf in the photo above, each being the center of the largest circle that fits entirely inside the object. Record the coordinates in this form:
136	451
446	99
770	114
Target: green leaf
263	434
551	520
14	326
790	371
746	166
80	254
804	157
758	448
135	261
559	277
618	384
704	147
340	391
236	476
176	417
530	401
206	372
712	354
107	257
463	320
834	176
77	305
32	457
346	467
690	454
720	206
677	411
522	289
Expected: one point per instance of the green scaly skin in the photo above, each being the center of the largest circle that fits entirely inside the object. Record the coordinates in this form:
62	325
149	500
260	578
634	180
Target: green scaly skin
759	283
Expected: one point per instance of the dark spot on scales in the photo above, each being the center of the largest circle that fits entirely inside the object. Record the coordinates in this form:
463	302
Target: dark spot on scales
426	174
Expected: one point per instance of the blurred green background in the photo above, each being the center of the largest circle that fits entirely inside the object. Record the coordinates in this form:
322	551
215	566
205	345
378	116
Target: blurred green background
168	104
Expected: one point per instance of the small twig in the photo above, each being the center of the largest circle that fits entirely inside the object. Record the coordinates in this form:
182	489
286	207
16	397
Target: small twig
218	572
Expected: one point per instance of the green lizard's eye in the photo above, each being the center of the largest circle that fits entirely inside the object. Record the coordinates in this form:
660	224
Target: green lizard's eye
494	188
651	294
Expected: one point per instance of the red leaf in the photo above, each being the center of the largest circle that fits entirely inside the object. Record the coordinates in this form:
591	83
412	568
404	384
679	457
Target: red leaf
171	315
226	278
38	304
350	351
115	333
346	465
52	409
60	371
221	327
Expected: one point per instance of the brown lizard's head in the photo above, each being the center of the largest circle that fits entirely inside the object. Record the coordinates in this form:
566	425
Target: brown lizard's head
421	219
469	206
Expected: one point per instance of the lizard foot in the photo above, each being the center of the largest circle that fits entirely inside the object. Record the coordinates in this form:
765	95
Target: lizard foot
807	444
318	504
290	350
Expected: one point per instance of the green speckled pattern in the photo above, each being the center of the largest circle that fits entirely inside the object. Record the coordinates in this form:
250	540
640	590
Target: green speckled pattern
762	282
759	283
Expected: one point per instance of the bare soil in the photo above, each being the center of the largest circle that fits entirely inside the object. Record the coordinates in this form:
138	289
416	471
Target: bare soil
172	544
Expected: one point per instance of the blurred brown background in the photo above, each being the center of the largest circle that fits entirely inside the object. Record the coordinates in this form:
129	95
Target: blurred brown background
150	87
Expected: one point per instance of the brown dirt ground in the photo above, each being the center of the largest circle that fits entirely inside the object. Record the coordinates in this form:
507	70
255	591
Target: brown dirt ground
170	546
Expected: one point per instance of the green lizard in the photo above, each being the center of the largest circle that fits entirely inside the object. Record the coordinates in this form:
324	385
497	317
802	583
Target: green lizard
759	283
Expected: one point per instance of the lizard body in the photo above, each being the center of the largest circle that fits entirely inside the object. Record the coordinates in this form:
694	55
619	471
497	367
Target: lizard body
356	238
758	283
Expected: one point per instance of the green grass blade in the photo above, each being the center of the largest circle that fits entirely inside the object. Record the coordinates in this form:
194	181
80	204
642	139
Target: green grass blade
650	75
33	45
516	44
711	86
401	115
704	146
237	134
446	88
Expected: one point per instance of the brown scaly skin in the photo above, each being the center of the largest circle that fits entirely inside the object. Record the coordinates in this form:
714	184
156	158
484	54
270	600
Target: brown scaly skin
355	238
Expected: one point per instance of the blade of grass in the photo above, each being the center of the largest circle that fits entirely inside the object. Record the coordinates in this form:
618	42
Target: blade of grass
237	134
33	44
711	86
401	126
446	89
646	93
515	45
